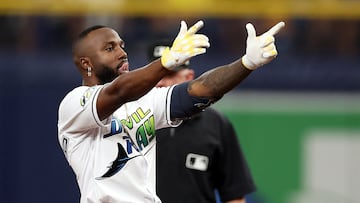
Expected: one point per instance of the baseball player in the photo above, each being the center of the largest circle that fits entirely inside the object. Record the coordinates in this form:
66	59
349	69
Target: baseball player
106	126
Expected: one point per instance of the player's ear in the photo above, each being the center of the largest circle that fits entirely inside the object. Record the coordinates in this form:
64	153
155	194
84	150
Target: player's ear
85	63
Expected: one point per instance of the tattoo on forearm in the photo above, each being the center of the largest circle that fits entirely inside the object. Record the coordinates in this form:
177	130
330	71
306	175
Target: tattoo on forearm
224	78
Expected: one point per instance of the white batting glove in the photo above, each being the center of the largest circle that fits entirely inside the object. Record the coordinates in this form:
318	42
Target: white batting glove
186	45
261	49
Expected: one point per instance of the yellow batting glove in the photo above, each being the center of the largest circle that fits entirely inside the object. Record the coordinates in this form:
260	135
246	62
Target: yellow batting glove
186	45
261	49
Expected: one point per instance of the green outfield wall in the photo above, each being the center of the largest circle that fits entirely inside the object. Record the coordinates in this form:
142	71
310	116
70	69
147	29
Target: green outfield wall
272	128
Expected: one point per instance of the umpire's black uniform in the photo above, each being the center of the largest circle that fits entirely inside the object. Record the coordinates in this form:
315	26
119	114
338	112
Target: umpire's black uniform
198	156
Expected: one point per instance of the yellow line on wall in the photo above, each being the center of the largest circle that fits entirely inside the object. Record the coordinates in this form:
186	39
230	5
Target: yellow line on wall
187	8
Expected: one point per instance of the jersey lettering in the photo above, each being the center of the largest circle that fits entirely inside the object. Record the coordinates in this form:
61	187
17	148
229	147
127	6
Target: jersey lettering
129	144
137	116
144	133
116	127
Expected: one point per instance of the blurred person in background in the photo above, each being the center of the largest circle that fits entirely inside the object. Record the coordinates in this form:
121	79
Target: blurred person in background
201	156
106	126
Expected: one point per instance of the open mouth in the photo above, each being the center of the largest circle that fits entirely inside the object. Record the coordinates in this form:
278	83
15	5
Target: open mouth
123	66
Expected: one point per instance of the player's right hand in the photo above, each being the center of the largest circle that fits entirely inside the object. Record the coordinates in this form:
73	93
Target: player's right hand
186	45
261	49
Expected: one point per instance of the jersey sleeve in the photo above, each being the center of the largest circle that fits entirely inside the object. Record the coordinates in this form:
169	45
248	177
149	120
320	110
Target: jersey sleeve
184	106
77	111
235	180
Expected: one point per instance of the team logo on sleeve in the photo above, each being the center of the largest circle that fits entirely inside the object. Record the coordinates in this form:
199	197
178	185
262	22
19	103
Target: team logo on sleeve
86	96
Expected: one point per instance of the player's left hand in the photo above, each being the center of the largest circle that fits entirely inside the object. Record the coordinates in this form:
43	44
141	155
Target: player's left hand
260	50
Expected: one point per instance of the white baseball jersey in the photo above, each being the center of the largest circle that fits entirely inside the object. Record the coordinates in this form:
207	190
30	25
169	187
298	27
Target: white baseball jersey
111	157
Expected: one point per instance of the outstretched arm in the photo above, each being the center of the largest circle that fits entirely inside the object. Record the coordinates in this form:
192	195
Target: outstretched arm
131	86
216	82
260	50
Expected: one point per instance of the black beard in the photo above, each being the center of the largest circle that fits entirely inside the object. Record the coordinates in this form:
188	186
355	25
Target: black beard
106	75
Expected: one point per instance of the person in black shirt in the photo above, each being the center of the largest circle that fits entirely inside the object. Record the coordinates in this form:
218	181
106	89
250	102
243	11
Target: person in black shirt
201	156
